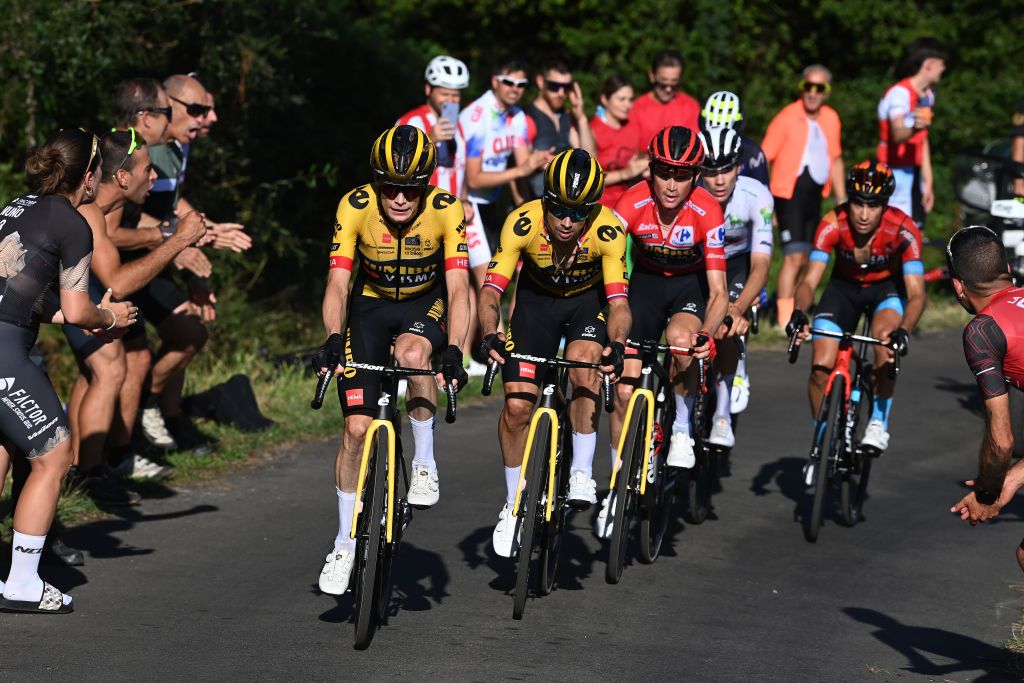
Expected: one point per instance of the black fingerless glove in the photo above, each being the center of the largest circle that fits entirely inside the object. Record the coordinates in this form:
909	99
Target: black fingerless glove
329	355
901	338
796	322
451	366
614	356
490	343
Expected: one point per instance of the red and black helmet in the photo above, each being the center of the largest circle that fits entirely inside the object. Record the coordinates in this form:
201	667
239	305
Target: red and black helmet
870	182
678	147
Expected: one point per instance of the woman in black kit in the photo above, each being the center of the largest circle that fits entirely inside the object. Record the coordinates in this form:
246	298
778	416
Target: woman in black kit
45	251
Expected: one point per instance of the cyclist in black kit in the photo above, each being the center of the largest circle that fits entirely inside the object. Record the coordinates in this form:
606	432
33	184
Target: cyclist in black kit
44	241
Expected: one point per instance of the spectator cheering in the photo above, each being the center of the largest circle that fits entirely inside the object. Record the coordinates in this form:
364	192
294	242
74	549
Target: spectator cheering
665	105
802	146
904	116
621	150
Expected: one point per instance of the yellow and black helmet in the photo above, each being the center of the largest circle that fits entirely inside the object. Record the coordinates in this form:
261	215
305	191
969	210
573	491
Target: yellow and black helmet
574	178
403	155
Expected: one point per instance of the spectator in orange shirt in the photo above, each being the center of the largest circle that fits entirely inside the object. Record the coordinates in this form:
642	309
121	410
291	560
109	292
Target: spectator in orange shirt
806	159
665	105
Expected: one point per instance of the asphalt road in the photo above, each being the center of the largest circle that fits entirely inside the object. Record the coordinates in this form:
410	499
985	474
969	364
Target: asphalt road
219	582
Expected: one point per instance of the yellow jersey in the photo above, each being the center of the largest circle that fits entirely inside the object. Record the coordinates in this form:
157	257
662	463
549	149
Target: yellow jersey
405	263
599	256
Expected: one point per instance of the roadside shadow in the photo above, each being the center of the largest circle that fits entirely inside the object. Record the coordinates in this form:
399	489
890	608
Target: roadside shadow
98	539
966	393
419	580
916	643
576	560
787	475
344	609
477	551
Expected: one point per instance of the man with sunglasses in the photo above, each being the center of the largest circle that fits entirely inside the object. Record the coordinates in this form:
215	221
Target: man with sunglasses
572	285
495	130
878	273
549	125
802	145
904	116
412	287
992	346
677	283
665	105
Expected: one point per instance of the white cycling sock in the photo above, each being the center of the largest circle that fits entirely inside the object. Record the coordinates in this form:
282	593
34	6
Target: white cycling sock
583	447
683	407
741	368
23	583
423	443
615	456
511	484
346	505
723	400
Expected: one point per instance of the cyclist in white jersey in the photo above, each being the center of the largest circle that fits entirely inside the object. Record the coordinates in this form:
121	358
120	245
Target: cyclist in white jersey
748	206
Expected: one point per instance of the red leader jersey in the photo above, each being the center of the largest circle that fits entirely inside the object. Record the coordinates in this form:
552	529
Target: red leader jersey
895	248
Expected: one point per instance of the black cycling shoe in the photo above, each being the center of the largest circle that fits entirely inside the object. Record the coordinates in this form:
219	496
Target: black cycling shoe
56	553
106	489
188	437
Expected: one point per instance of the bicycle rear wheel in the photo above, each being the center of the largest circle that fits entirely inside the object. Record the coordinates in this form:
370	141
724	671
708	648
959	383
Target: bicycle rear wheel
529	509
369	562
625	490
551	538
656	504
830	440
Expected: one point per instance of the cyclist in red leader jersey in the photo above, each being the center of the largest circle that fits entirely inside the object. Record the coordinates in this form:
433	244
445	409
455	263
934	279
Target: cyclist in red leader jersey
874	244
678	241
994	348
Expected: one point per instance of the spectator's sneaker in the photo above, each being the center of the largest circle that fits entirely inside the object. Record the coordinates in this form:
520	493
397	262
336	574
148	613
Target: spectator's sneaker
680	451
108	490
423	489
155	430
721	433
188	437
740	395
139	467
505	532
582	491
57	553
605	517
337	571
876	438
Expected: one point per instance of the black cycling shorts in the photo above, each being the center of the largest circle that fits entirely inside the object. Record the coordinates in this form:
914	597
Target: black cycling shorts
654	299
844	302
158	299
737	270
539	322
798	216
31	416
83	344
372	324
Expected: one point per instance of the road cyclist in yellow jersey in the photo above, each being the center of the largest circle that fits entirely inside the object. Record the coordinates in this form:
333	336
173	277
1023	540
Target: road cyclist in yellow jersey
406	241
572	285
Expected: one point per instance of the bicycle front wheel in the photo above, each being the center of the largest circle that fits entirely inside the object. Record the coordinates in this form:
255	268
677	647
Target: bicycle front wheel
829	443
369	562
551	538
625	482
531	510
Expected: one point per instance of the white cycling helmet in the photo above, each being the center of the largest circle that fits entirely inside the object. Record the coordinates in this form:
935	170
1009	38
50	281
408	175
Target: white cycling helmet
722	109
447	72
721	148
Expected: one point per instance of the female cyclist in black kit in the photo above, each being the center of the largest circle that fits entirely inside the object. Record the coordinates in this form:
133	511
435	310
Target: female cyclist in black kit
44	242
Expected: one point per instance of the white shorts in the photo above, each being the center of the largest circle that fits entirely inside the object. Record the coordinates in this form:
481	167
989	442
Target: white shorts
476	239
902	197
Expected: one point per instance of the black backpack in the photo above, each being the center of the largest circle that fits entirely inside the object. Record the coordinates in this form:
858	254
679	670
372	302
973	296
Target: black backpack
232	402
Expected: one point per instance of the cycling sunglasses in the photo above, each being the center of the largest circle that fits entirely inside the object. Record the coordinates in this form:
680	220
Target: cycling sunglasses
132	146
672	172
411	192
573	213
94	148
558	87
166	111
193	109
807	86
513	82
957	235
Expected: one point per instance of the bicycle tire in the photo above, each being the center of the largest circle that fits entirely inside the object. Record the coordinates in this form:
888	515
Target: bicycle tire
625	484
830	439
529	508
854	485
701	477
657	500
369	563
551	537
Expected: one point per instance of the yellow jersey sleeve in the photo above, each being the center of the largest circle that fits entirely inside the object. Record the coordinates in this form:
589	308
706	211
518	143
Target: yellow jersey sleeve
348	223
516	234
611	238
452	219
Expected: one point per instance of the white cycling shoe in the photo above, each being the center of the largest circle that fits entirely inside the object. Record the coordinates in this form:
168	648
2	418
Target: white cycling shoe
423	489
505	532
876	436
721	433
605	517
337	571
739	397
155	430
582	491
680	451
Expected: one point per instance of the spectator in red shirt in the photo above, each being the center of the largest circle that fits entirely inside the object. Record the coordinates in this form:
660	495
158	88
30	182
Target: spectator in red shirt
665	105
621	150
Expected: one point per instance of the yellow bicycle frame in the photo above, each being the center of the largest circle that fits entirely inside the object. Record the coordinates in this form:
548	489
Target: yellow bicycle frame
648	396
526	459
371	435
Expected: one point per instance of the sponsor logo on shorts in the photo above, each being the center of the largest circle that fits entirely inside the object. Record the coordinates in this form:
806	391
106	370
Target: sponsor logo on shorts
689	308
26	409
590	331
6	383
354	397
417	326
527	370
